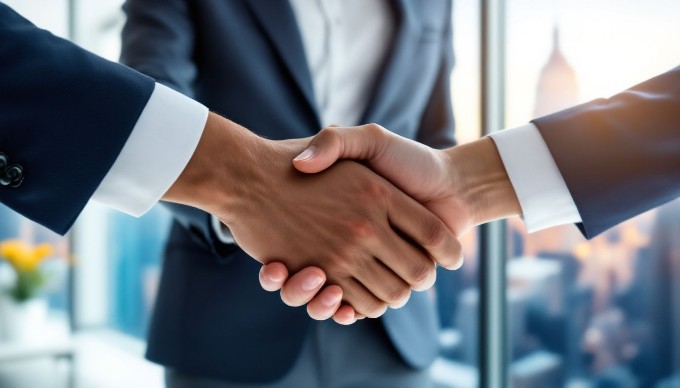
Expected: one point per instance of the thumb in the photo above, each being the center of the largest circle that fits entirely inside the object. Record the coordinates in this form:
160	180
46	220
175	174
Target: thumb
334	143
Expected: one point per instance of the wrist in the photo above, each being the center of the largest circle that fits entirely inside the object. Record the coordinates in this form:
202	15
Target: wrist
478	176
223	161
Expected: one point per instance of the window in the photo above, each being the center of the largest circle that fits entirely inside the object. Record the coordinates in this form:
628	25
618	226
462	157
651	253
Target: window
600	312
134	263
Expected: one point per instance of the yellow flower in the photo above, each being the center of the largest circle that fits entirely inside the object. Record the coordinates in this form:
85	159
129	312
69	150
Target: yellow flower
22	256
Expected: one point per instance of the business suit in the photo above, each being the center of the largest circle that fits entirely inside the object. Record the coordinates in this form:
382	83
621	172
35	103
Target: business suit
53	95
619	156
245	59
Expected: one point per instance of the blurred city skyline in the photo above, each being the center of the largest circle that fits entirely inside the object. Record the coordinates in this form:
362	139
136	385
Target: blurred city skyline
611	44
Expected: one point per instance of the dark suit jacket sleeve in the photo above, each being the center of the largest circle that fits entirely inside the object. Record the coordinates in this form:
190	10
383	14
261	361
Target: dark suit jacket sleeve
437	124
158	40
619	156
65	115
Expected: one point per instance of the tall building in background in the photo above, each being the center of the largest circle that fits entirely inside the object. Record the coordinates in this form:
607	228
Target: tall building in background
558	84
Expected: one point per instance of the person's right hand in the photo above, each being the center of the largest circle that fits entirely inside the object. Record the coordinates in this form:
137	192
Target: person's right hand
464	186
369	238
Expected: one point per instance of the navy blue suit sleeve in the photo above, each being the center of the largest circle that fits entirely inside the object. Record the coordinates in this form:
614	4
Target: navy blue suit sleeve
619	156
65	115
437	125
158	40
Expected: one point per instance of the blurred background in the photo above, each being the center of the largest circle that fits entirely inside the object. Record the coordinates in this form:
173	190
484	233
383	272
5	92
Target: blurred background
603	313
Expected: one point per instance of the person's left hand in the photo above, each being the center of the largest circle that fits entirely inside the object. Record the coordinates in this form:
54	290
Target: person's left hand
419	171
464	186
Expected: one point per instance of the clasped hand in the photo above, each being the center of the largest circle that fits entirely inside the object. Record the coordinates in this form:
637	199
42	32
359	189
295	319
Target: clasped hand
421	172
364	238
358	237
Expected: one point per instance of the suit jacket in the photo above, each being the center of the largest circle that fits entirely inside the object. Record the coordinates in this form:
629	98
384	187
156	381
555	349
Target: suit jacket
245	60
65	115
619	156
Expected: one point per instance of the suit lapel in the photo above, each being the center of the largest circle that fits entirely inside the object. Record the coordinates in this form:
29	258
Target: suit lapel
404	46
276	18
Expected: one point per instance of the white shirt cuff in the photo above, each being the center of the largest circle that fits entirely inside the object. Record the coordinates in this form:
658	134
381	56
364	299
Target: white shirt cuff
223	233
157	151
538	183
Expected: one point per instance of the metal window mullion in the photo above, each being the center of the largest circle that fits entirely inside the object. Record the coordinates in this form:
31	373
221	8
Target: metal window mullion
71	287
493	355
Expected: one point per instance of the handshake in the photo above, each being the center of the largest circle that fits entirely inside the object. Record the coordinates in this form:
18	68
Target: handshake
359	236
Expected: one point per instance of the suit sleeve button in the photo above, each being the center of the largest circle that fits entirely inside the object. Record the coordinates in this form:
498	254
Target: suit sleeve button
13	176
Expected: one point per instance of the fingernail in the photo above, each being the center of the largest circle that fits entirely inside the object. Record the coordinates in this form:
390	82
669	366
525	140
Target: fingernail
306	154
275	277
329	301
312	283
271	276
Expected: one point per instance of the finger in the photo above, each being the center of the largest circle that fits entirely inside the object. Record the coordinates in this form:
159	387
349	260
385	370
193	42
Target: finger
333	143
411	264
385	284
302	286
273	276
426	230
325	303
362	300
345	315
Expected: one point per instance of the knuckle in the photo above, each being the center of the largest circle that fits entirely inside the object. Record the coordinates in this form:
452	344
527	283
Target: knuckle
375	309
421	273
338	266
375	129
434	233
398	294
365	303
362	229
344	265
331	133
373	190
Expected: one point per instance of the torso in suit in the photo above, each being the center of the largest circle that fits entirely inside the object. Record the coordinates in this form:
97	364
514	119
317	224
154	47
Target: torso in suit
245	60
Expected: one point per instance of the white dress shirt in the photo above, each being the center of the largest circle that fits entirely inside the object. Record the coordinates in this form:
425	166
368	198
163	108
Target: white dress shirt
543	196
159	147
345	42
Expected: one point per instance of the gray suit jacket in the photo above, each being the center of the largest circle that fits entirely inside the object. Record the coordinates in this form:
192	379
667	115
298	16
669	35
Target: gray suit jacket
245	60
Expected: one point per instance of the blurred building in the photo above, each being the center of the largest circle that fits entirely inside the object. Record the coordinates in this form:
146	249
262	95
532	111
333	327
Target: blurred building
558	84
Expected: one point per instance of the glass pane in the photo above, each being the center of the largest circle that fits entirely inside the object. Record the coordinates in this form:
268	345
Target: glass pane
457	291
596	313
134	254
51	15
22	282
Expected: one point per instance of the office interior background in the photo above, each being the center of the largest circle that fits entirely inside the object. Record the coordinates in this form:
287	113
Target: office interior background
599	313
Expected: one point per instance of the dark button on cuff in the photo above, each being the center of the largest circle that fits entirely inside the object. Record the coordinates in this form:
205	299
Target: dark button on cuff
10	175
